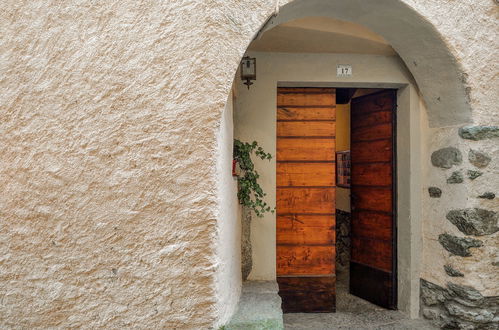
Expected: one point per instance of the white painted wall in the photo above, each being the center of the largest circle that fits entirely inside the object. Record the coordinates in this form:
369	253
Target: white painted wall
255	119
228	280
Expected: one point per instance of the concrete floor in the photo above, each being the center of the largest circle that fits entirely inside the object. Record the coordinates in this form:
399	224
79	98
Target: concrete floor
353	313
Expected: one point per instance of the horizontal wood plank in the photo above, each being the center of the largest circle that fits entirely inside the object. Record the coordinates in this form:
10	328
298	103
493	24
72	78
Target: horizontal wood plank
375	132
306	128
306	99
371	252
305	229
382	102
370	119
373	285
375	151
305	174
310	90
305	260
375	225
305	149
372	174
307	294
290	113
305	200
370	198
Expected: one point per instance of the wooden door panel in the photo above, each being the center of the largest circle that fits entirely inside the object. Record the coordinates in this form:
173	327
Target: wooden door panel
372	284
307	294
305	99
369	133
306	128
373	249
372	252
371	174
305	174
305	200
368	224
370	119
372	151
305	260
305	229
373	103
373	199
305	232
309	113
300	149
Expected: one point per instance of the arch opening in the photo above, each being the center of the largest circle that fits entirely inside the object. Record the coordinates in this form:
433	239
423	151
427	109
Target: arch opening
430	86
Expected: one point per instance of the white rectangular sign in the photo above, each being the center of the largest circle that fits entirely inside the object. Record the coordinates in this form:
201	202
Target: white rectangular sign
343	70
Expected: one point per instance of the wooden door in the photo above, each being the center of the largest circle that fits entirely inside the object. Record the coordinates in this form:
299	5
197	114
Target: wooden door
373	203
306	199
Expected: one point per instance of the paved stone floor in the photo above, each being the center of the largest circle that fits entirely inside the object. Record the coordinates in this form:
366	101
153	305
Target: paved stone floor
353	313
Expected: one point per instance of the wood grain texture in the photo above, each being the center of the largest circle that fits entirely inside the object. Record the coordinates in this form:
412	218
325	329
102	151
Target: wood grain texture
370	119
306	97
371	225
372	285
372	174
374	199
305	200
305	174
305	149
372	103
305	229
306	128
375	132
310	113
307	294
375	151
305	260
372	252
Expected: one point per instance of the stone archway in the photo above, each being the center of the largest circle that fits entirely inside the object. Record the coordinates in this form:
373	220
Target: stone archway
426	55
424	51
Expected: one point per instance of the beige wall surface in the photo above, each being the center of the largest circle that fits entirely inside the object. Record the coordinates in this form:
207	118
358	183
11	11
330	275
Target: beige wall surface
110	209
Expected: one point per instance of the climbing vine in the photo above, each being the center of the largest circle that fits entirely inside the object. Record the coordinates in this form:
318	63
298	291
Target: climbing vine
250	194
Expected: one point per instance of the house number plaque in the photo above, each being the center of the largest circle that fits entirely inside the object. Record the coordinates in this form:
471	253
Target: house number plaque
343	70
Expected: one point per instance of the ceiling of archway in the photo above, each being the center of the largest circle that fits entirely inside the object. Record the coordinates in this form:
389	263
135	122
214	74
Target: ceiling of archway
321	35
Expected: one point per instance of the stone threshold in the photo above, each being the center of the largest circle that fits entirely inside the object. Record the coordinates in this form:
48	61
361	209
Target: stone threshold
259	307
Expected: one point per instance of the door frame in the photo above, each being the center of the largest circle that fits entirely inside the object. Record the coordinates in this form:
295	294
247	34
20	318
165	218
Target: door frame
407	188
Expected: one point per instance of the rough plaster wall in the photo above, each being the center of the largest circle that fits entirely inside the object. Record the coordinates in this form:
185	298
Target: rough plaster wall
109	118
229	224
470	30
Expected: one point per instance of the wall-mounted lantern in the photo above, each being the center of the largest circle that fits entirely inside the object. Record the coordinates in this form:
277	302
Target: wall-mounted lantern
248	70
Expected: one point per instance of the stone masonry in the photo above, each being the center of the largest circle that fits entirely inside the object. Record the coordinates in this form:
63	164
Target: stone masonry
458	307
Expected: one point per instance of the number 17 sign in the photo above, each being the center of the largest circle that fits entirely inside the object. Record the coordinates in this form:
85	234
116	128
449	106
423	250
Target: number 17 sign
343	70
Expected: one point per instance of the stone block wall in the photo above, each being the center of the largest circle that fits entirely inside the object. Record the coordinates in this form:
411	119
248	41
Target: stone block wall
465	228
342	239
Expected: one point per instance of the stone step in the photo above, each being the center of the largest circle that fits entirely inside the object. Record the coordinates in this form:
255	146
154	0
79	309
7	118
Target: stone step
259	307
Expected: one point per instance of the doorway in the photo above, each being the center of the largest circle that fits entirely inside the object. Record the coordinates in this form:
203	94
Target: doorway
306	192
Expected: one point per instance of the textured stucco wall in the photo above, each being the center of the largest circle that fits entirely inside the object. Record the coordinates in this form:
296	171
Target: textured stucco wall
229	225
110	113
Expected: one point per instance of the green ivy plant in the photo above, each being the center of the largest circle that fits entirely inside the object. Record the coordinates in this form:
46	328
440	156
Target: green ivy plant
250	194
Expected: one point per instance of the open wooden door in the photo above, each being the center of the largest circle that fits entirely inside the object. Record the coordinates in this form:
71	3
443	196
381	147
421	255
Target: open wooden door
373	227
306	199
